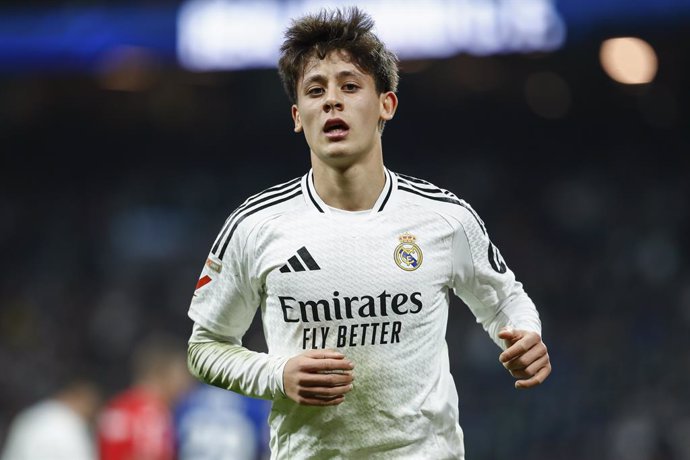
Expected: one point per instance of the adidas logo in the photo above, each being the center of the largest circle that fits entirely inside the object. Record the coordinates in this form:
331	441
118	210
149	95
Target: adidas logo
298	263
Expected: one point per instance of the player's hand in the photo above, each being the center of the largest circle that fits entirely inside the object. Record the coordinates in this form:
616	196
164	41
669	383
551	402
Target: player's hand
525	357
318	378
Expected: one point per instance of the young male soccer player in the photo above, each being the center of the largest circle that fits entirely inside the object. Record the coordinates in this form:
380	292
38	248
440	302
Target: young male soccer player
351	265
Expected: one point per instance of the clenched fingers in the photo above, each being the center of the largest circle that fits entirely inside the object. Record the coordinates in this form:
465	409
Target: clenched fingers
538	378
324	392
314	401
531	370
318	377
329	391
325	365
323	354
520	347
326	380
528	357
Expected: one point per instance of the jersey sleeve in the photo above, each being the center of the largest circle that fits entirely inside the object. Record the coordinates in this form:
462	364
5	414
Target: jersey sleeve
225	301
484	282
226	296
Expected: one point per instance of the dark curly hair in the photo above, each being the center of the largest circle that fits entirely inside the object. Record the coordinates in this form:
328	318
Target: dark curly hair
336	30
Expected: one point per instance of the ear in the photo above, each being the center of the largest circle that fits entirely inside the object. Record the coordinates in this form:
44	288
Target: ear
296	118
389	104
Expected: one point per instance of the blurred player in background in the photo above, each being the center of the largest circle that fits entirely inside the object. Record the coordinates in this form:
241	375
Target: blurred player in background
57	428
137	423
352	265
213	424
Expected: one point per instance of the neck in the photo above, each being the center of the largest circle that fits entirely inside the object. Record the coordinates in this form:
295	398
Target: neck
352	188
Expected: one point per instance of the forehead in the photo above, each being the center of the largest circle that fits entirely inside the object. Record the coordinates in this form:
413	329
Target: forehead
333	63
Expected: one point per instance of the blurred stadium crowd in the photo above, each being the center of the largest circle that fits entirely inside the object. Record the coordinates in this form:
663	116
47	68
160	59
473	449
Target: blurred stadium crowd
113	188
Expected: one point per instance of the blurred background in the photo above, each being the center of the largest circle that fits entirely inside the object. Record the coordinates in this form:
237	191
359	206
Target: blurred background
129	131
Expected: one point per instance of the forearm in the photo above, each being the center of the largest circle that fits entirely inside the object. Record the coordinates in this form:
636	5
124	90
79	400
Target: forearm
486	284
225	363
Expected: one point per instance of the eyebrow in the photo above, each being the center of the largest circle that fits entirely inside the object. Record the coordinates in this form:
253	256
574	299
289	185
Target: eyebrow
320	78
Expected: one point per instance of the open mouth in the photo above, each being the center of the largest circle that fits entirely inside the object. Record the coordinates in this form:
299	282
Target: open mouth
335	128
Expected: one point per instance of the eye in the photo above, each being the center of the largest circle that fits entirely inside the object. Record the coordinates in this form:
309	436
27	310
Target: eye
350	87
315	91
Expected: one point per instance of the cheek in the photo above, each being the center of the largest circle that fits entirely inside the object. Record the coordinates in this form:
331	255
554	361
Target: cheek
310	128
309	125
374	109
373	117
308	121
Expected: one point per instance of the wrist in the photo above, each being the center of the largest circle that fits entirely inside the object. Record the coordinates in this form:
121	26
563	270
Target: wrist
278	389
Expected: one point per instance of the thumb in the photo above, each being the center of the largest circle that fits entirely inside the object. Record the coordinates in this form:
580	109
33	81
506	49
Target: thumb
507	333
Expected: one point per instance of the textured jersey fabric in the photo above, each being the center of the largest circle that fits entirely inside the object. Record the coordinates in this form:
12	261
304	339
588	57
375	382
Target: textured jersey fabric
372	285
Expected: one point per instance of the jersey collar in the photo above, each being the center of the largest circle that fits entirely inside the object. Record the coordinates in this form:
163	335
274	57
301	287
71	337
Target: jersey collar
313	199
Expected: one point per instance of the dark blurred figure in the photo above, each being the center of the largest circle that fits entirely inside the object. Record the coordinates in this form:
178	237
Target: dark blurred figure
56	428
216	424
137	424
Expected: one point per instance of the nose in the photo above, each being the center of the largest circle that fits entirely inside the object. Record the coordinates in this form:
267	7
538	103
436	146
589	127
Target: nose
332	102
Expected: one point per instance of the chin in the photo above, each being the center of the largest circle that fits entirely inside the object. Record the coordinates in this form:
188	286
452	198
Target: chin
335	151
338	159
339	154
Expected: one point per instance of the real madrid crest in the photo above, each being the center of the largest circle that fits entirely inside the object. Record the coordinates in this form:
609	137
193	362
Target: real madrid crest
408	255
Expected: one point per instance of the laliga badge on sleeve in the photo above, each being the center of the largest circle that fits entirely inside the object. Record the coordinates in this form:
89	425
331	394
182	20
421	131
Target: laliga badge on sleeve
213	265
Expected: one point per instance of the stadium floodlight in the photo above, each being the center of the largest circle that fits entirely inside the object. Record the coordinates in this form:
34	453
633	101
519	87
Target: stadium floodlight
237	34
629	60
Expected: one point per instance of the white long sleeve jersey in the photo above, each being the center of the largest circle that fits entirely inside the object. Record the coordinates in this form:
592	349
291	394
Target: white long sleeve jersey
373	285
